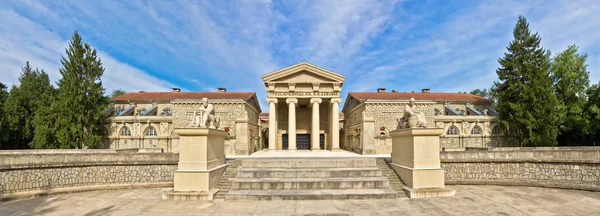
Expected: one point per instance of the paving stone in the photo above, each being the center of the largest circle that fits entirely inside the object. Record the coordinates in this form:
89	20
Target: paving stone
237	207
276	206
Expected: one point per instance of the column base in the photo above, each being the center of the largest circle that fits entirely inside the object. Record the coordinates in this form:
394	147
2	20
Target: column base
291	150
335	150
315	149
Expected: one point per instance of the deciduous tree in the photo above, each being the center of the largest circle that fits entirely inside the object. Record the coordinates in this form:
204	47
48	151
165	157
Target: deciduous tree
117	92
33	93
571	80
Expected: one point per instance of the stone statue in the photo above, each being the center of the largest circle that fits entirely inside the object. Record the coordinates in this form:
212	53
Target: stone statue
411	118
205	116
485	112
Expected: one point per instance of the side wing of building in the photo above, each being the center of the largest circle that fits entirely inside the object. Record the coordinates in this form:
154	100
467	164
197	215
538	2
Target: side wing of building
468	120
147	119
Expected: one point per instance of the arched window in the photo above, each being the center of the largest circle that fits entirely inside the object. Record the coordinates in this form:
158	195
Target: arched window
125	131
476	130
151	131
497	130
452	130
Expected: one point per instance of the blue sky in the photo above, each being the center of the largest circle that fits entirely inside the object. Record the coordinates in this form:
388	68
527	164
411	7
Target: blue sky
448	46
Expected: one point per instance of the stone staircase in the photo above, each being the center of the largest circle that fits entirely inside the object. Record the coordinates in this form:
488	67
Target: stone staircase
395	182
310	179
224	183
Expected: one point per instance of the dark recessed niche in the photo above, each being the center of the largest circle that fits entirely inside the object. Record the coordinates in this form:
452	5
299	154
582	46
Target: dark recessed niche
303	106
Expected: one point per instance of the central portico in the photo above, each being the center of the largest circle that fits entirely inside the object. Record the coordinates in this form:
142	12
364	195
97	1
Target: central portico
304	108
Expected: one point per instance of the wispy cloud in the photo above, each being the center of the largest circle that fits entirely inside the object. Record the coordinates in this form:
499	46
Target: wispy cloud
201	45
22	40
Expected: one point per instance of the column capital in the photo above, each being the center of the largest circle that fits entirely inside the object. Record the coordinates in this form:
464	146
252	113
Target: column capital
316	100
274	100
292	100
338	100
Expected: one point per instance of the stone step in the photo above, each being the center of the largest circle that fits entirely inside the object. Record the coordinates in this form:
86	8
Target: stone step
323	194
309	163
308	172
309	183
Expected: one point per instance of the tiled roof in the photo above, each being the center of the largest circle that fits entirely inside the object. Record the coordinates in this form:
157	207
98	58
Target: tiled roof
183	95
437	96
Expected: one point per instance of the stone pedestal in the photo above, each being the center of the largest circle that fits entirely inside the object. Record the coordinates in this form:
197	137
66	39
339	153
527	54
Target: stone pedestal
416	159
201	163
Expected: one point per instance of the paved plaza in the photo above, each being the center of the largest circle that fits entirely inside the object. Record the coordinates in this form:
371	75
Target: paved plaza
470	200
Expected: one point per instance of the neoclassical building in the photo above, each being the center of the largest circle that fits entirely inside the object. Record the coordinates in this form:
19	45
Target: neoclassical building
304	103
147	119
468	120
303	108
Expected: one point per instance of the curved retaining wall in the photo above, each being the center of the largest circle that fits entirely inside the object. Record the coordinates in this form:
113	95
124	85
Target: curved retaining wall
39	172
569	168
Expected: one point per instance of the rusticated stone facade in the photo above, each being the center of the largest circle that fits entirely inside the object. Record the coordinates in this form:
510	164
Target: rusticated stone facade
147	119
37	170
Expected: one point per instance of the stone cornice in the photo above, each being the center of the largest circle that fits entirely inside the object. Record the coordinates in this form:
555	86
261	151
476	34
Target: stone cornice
303	66
303	94
140	119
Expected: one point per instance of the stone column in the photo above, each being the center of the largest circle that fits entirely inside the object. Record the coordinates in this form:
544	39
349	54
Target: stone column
292	102
335	124
272	123
314	133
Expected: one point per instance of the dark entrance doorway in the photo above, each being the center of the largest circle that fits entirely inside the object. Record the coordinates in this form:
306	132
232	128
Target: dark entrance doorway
302	141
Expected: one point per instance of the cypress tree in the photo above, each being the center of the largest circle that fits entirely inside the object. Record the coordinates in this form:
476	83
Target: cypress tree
80	97
525	100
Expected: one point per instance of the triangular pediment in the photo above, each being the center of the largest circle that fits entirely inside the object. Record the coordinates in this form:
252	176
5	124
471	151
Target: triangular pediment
304	73
304	77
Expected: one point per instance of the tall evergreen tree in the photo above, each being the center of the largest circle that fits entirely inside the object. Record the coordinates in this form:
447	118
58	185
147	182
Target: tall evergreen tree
80	97
526	103
571	80
4	132
34	92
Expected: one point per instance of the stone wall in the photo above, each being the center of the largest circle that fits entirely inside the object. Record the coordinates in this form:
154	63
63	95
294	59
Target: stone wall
574	168
32	172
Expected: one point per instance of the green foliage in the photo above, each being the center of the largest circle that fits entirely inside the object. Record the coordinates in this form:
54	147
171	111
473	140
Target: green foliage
117	92
526	102
4	132
81	97
480	92
571	80
33	93
592	111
